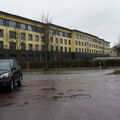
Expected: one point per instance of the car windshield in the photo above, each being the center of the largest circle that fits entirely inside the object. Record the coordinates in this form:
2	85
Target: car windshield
4	65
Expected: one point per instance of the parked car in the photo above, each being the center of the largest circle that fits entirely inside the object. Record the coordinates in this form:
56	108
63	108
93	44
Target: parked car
10	74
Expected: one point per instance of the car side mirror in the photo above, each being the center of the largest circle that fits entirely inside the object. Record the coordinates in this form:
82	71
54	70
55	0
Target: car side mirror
14	68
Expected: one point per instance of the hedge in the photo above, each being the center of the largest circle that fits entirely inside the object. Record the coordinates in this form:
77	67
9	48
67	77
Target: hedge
70	64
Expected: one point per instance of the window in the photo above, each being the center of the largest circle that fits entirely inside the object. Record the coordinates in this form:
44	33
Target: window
1	44
56	40
65	49
1	33
12	24
76	50
23	37
61	41
37	38
23	46
26	27
82	37
1	21
12	34
12	45
79	43
56	48
30	36
61	33
57	32
69	42
22	26
82	50
42	39
30	47
61	49
79	49
94	51
85	38
76	36
69	49
30	28
43	47
51	39
65	42
76	42
38	29
17	25
69	35
82	43
64	34
51	31
37	47
51	48
5	22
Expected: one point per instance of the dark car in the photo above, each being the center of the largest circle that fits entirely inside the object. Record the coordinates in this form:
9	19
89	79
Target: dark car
10	73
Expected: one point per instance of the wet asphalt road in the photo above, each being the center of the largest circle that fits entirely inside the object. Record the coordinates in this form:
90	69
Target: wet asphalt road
63	95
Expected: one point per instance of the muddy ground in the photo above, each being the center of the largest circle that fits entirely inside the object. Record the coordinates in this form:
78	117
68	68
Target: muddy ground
63	95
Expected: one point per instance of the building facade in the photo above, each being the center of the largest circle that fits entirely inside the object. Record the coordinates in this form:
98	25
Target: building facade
23	39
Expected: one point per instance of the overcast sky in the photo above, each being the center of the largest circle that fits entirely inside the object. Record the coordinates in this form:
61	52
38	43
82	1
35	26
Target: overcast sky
97	17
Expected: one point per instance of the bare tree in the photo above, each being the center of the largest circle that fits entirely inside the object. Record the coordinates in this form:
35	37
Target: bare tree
6	38
46	20
18	39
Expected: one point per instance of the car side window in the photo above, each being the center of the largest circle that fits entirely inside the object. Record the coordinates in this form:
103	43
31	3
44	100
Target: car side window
13	65
17	65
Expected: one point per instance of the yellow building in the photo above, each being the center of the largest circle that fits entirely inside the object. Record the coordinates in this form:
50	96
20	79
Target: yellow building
23	37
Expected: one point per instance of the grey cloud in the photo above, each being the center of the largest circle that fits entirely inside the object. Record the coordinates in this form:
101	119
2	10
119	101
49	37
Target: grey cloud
98	17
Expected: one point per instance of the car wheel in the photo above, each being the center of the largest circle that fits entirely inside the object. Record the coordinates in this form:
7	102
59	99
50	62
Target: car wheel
11	86
19	82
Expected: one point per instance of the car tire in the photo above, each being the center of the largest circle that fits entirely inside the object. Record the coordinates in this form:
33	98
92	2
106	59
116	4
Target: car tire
19	82
11	86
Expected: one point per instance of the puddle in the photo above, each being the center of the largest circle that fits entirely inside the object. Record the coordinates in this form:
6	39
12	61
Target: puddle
48	88
7	104
26	102
112	80
73	97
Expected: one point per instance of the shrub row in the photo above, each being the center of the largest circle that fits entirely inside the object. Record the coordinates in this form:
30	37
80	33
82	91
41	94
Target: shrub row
70	64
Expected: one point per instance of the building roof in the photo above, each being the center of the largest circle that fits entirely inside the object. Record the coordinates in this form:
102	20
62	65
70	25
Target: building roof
21	17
